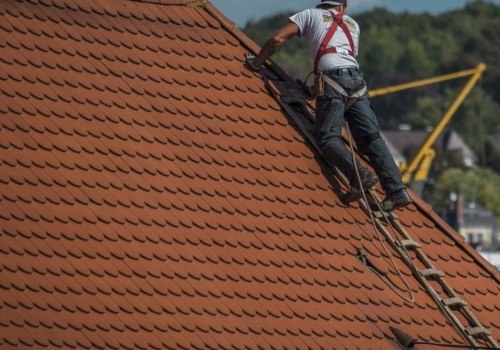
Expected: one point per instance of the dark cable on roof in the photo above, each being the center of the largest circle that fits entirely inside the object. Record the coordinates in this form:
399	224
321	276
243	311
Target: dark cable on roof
408	342
455	346
369	265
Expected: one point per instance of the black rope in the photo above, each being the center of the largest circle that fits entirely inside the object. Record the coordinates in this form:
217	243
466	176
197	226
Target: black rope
462	346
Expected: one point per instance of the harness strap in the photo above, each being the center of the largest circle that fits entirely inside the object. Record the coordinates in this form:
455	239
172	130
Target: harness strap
336	50
337	87
350	99
323	47
347	33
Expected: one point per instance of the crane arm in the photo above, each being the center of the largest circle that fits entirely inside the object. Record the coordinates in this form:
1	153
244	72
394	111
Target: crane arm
425	148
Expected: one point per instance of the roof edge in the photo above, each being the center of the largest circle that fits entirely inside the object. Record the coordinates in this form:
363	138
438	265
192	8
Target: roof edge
248	43
223	20
168	2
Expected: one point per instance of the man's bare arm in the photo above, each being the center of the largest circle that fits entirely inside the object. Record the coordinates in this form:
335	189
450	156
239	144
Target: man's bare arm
284	34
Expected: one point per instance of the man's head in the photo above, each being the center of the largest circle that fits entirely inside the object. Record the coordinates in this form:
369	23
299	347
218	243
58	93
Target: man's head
342	4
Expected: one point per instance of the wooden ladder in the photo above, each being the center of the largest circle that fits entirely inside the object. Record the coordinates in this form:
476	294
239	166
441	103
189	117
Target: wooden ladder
448	300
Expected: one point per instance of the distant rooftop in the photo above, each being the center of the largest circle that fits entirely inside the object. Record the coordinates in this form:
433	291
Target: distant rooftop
407	142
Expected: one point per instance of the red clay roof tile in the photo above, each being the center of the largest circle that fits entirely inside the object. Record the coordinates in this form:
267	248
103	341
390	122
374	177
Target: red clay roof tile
145	172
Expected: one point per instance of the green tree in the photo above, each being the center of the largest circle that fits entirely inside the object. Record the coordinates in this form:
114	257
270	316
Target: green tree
478	121
476	185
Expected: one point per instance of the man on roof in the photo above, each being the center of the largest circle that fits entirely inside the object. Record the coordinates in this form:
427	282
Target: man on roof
333	39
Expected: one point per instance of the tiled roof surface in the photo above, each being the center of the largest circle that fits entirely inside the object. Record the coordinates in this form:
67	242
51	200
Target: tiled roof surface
154	195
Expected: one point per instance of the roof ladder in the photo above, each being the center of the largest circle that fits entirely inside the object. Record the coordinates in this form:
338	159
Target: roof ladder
447	299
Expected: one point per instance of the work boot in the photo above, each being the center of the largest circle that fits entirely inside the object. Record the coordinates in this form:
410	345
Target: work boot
398	199
368	181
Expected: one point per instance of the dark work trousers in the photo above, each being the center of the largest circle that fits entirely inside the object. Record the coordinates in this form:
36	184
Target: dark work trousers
364	128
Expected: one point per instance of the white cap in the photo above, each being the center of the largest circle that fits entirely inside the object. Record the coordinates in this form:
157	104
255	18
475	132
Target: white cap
332	2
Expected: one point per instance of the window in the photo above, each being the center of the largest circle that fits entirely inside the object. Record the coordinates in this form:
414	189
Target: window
470	238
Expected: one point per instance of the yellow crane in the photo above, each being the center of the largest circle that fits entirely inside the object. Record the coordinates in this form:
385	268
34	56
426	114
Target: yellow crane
417	170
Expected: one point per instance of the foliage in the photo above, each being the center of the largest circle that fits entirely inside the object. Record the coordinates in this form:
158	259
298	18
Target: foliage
476	185
397	48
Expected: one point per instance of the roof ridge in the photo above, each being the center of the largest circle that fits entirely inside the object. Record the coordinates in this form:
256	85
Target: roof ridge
244	39
168	2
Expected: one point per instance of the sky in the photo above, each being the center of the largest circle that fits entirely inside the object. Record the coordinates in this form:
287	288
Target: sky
241	11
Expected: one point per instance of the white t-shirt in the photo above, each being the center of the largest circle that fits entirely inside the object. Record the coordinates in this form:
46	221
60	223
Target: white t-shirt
314	25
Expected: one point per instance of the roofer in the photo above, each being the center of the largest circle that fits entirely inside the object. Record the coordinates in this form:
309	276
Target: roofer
333	39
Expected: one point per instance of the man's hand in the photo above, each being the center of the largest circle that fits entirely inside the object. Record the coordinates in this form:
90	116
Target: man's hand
285	33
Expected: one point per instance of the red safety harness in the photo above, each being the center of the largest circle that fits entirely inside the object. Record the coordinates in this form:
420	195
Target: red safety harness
324	49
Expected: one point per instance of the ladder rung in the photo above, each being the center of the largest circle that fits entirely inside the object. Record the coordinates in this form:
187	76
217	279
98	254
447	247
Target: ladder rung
382	215
454	302
410	244
477	331
430	273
